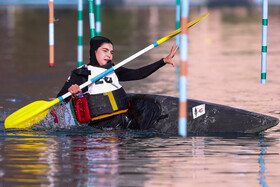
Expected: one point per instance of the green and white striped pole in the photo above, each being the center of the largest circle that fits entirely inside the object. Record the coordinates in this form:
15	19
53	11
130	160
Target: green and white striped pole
98	17
91	18
264	41
80	33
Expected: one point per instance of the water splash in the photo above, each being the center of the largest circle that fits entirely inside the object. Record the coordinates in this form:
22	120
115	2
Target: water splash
59	116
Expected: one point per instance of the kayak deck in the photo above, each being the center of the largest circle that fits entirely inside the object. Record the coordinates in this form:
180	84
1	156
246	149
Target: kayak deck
160	113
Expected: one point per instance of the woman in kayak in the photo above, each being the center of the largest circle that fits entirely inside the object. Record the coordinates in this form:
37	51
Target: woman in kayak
107	100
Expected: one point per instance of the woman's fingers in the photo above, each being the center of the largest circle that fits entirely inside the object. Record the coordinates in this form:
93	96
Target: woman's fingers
172	53
174	50
74	89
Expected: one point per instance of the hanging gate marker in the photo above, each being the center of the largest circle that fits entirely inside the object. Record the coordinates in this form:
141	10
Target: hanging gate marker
80	33
91	18
264	41
98	17
183	70
51	33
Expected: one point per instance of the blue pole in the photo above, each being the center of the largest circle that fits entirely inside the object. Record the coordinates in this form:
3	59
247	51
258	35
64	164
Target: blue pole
178	6
178	16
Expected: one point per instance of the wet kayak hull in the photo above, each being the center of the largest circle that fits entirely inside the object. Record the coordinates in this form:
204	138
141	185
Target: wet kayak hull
160	113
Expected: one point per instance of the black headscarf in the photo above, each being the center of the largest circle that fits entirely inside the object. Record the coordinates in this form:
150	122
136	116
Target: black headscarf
95	43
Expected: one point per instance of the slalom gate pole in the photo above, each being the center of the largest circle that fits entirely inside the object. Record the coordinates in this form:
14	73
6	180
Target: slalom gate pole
80	33
51	33
183	70
264	41
98	17
178	17
91	18
178	7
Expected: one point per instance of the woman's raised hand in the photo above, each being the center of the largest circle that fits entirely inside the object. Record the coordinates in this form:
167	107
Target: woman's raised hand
172	53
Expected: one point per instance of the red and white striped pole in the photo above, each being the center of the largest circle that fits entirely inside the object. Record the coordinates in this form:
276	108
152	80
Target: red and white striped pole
51	33
183	70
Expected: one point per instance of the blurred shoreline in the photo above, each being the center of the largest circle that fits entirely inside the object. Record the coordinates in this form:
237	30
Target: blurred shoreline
144	2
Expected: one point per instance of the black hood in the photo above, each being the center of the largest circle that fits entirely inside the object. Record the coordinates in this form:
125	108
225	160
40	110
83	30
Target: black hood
95	43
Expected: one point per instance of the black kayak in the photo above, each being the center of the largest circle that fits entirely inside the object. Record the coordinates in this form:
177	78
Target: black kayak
160	113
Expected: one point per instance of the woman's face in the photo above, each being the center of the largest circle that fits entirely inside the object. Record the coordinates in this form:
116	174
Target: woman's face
104	53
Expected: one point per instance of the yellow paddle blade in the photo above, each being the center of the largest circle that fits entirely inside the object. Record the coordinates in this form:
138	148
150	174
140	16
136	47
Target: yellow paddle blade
30	114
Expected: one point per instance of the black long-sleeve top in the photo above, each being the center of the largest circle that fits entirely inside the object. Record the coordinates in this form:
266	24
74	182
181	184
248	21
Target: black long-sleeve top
124	74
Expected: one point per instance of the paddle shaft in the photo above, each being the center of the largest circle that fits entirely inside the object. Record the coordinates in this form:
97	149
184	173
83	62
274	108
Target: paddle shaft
157	43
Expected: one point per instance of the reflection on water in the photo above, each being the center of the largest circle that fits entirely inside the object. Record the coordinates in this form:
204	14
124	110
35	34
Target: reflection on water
262	162
133	159
224	68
